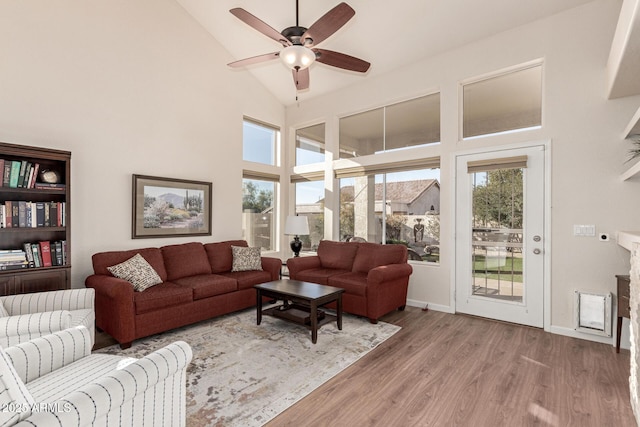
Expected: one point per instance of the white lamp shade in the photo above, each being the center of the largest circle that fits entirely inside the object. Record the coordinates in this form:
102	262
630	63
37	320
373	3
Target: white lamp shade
297	56
296	225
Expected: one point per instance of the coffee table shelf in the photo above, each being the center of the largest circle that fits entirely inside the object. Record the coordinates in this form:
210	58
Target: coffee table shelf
306	298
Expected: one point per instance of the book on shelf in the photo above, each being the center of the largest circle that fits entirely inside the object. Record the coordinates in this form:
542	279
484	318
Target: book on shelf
49	186
37	259
34	175
6	173
15	214
3	221
7	214
14	266
1	172
45	253
29	253
15	173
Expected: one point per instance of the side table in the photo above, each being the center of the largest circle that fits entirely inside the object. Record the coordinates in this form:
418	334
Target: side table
624	291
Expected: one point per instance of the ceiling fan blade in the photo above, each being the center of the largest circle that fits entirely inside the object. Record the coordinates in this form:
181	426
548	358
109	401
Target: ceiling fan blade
259	25
328	24
301	79
254	60
341	60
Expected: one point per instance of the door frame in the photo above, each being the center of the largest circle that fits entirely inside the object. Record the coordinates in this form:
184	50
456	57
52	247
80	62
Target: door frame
546	247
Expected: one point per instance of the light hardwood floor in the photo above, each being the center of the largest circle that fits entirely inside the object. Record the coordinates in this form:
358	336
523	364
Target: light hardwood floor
455	370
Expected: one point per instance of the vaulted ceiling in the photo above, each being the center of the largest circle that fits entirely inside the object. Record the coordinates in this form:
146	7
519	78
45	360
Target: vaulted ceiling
389	35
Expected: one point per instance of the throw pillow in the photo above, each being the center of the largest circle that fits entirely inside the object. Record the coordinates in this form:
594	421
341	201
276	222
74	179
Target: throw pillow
246	259
137	271
3	311
15	399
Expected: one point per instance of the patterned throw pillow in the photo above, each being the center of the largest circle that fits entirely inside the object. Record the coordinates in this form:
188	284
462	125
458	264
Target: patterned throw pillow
246	259
137	271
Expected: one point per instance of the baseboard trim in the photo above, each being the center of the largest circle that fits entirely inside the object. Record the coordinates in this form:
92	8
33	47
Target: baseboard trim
581	335
430	306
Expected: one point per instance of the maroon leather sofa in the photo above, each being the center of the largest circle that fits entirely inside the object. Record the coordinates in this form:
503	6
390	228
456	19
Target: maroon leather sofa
375	277
197	284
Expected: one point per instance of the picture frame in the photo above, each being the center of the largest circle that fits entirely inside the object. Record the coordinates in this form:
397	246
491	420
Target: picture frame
169	207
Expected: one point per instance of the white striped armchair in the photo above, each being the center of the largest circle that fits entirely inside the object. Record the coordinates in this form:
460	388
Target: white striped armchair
60	383
24	317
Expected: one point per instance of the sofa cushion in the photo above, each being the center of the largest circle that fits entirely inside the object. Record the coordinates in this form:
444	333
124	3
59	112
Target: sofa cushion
318	275
246	259
372	255
220	255
352	283
247	279
338	255
103	260
164	295
187	259
208	285
137	271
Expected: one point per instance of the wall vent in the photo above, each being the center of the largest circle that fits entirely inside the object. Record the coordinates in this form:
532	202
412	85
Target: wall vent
593	313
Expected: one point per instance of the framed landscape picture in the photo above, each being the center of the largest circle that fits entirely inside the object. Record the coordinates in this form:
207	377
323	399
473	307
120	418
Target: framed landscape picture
167	207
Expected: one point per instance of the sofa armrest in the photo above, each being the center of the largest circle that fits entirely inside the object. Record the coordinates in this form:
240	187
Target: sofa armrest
24	327
110	287
115	308
68	299
35	358
273	266
385	273
298	264
155	385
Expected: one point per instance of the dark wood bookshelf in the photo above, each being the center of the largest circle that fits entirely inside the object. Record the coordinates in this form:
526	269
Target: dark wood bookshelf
37	279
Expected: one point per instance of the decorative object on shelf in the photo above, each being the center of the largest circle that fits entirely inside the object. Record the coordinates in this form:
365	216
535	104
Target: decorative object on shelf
49	176
296	226
167	207
634	152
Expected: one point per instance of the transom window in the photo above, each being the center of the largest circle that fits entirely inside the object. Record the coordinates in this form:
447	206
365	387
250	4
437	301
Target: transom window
310	145
259	142
406	124
507	102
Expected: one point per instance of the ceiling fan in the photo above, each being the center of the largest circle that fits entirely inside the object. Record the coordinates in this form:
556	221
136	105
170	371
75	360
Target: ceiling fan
299	44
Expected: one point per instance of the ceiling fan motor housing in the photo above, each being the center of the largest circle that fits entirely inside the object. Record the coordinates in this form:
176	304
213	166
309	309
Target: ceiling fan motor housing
294	35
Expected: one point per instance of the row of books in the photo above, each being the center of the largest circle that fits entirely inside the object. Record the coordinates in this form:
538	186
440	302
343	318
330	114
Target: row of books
18	173
41	254
32	214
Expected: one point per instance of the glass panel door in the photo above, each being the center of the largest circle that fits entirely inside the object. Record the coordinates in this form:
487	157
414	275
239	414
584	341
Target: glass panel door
499	235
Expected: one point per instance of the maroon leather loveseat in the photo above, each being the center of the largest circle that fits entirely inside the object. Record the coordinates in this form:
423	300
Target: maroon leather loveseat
375	277
197	284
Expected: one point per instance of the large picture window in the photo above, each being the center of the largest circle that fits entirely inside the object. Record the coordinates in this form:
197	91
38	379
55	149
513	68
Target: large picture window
258	212
396	207
310	203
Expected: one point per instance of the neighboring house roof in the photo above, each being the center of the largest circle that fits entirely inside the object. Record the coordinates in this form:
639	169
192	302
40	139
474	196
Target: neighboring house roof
402	192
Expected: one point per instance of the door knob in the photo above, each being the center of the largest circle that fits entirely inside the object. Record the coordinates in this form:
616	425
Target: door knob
537	238
537	251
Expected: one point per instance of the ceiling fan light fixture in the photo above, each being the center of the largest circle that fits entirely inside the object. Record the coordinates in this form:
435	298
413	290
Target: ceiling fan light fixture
297	57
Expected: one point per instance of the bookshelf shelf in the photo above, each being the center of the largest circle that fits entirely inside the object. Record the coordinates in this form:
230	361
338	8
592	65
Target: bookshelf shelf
27	198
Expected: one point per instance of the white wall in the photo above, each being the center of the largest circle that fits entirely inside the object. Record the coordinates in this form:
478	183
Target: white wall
585	132
129	87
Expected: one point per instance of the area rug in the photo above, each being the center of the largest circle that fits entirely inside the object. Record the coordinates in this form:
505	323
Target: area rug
243	374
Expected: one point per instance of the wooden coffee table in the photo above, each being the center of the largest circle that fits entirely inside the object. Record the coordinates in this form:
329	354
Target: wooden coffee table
300	303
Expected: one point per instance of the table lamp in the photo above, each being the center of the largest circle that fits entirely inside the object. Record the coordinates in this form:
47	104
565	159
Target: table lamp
296	226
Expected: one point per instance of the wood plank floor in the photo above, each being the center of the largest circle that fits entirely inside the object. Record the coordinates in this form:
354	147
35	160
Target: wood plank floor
455	370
